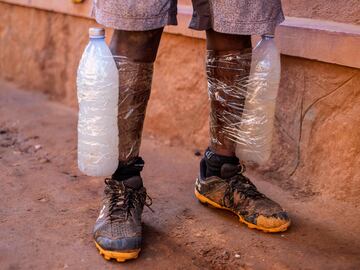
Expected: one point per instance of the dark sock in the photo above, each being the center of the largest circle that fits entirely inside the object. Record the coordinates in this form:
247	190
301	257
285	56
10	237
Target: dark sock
126	170
134	182
214	162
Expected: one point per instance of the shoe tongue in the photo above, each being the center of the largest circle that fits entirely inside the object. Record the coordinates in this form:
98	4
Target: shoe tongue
228	170
134	182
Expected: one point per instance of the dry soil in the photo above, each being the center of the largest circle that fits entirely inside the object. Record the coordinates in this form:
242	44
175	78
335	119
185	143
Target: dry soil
48	208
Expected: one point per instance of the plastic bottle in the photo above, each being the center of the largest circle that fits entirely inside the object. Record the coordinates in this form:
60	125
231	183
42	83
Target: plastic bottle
257	124
97	92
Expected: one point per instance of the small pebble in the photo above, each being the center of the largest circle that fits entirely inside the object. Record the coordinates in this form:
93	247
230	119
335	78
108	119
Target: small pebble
226	255
44	160
37	146
42	199
237	256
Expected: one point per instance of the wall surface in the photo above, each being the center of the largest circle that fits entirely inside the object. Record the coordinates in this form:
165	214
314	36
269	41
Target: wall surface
340	11
317	144
316	150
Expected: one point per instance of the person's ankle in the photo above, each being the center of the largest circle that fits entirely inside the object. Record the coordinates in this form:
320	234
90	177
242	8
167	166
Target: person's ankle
223	152
215	161
128	169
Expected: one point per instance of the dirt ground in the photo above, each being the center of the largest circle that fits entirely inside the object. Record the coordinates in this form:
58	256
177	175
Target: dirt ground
48	208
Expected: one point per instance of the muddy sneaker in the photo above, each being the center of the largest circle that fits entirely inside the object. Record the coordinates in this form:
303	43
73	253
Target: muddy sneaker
232	191
117	231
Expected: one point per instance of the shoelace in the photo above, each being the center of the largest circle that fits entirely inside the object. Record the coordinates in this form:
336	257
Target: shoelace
242	184
122	199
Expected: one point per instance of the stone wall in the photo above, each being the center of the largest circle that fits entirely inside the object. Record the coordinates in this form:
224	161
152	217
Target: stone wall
317	146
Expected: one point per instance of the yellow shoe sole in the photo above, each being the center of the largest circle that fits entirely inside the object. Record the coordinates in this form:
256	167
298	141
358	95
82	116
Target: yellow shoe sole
118	256
205	200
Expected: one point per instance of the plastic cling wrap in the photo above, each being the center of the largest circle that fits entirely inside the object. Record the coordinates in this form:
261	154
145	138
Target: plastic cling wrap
243	88
227	77
134	92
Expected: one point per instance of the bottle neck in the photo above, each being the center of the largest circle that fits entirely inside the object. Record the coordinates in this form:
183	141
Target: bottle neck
97	38
267	37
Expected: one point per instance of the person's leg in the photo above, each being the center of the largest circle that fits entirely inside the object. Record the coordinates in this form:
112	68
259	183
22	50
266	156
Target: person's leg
221	182
228	65
118	230
134	54
139	24
137	46
221	42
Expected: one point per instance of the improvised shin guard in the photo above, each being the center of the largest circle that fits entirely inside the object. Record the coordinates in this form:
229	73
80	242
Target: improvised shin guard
227	74
134	92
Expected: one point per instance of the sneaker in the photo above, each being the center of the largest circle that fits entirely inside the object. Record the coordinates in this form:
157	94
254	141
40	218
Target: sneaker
118	230
234	192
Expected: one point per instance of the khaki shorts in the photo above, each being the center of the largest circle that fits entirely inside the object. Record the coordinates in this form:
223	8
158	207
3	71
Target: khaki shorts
241	17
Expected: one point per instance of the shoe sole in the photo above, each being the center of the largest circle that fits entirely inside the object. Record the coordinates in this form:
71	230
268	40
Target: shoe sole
118	256
205	200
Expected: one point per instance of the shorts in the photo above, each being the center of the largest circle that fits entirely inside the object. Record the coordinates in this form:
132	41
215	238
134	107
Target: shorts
241	17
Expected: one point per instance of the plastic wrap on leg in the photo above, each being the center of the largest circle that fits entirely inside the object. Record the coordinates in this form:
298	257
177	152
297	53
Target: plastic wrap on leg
243	88
227	76
134	92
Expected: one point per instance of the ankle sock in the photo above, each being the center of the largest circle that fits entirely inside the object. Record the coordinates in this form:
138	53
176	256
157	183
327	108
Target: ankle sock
214	162
126	170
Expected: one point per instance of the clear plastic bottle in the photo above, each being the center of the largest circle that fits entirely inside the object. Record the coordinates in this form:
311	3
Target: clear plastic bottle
97	92
259	110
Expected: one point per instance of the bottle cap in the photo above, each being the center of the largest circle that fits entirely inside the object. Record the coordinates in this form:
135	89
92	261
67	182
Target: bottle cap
96	32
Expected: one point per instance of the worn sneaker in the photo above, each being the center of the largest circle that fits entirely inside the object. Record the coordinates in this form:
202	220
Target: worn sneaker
117	231
234	192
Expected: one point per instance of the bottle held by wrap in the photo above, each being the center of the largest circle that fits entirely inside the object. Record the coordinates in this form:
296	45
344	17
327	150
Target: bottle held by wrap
256	129
97	92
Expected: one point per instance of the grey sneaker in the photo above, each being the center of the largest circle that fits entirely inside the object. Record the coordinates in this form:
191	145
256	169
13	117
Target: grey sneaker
118	231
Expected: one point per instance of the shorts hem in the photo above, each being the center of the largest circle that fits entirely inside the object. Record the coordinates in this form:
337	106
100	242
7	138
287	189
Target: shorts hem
237	27
134	24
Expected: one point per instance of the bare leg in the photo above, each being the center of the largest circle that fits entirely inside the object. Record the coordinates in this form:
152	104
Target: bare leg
134	54
223	77
138	46
225	42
